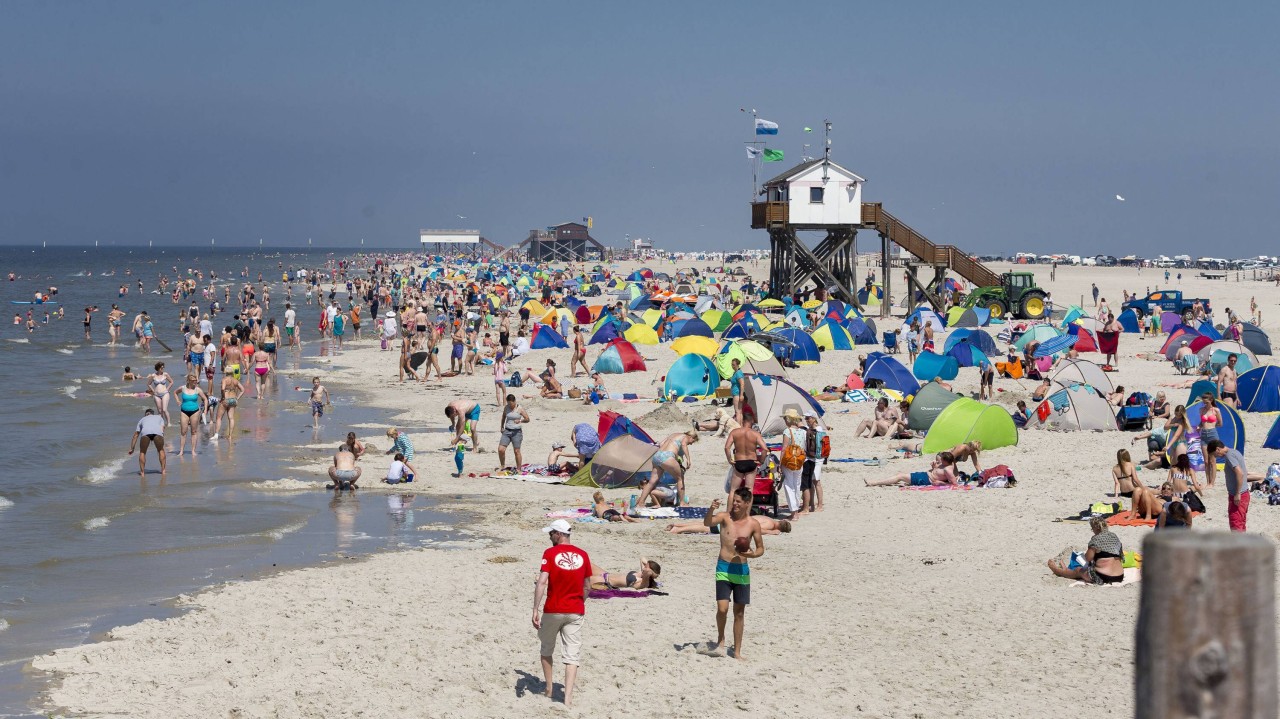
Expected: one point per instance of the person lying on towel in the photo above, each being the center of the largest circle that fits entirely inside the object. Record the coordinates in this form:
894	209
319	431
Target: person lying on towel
942	472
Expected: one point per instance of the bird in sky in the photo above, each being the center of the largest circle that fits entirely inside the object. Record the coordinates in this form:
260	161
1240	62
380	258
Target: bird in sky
462	217
1119	198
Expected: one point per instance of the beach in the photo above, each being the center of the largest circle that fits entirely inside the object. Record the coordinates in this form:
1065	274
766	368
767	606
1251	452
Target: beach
889	603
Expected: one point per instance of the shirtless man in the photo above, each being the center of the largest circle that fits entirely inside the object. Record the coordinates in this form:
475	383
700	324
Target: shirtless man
737	529
344	471
433	353
927	344
1227	382
458	348
743	449
465	416
942	471
420	322
579	353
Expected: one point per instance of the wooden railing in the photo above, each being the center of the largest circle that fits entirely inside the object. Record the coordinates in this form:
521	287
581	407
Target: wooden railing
768	214
917	244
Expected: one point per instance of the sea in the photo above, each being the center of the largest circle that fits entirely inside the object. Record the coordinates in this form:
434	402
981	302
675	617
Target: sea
87	543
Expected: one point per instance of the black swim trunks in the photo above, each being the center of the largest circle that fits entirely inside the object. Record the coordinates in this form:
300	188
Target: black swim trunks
745	466
1229	395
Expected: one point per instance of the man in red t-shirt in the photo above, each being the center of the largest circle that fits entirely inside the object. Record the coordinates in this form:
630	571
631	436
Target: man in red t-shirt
564	581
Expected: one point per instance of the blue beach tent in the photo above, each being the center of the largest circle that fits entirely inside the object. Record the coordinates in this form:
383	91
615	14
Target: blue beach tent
1231	431
694	327
692	375
891	372
860	332
545	337
966	355
1199	388
929	366
804	350
1273	437
1259	389
1129	321
975	337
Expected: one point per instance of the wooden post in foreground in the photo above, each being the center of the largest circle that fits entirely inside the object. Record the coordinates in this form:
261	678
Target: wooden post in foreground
1206	637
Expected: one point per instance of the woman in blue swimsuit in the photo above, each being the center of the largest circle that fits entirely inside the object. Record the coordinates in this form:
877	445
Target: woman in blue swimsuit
191	402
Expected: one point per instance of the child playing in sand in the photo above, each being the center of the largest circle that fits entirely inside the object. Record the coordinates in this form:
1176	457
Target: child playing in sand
602	510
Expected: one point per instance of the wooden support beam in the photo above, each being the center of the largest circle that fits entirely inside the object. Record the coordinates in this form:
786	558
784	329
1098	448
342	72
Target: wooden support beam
886	270
1206	635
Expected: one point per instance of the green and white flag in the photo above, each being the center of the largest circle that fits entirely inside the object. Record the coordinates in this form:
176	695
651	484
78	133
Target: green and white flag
772	155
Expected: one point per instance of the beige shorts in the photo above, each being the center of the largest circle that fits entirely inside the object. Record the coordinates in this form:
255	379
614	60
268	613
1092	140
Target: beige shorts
569	628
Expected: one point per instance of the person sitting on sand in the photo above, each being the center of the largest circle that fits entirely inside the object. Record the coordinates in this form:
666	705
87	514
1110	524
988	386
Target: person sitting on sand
882	425
645	578
1160	407
941	473
551	387
596	386
344	471
1042	390
1104	560
1123	475
557	460
601	510
768	525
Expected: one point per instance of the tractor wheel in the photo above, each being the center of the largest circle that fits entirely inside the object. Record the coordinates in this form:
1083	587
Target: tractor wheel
996	306
1033	306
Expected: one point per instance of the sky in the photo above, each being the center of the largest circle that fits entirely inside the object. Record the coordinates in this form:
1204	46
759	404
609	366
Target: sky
995	127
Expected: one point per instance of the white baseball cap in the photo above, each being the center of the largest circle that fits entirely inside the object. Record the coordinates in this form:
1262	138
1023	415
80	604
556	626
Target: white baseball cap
560	526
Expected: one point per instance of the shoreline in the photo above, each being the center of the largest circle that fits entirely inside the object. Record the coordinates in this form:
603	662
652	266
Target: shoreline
890	603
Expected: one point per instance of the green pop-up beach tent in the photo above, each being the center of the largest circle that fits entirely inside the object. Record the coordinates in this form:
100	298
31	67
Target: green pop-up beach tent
967	420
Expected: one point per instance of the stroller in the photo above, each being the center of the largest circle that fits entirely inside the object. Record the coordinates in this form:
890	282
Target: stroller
767	488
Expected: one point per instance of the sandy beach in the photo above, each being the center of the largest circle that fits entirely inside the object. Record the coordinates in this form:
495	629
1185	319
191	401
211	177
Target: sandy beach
888	604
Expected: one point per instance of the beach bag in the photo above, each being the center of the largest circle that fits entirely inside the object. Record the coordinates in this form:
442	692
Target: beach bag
826	446
384	343
1192	500
793	457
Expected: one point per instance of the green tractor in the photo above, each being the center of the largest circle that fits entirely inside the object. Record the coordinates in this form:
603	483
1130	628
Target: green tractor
1017	293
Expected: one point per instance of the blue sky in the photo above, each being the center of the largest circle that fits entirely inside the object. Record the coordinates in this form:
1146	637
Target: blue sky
992	126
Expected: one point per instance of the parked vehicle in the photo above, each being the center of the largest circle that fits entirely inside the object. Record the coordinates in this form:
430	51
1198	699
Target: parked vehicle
1164	301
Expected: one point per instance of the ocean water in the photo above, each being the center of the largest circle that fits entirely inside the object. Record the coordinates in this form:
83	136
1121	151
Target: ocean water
89	544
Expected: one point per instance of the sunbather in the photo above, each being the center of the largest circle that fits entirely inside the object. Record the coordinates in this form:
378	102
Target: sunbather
941	472
602	510
768	525
961	452
1104	560
882	425
645	578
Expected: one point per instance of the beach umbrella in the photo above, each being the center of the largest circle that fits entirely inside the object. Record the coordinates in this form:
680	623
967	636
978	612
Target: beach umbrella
1055	345
770	303
696	344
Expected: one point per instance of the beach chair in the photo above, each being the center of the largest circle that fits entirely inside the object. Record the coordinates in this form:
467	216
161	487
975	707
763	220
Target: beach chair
891	342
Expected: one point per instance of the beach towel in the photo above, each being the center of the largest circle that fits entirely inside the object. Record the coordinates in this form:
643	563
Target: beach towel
658	513
1123	519
539	478
571	513
691	512
933	488
1109	342
618	594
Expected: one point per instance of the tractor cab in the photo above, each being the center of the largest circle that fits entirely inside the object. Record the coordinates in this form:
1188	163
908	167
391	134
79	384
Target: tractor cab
1017	293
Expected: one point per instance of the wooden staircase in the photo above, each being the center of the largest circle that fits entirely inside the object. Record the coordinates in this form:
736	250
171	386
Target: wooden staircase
873	215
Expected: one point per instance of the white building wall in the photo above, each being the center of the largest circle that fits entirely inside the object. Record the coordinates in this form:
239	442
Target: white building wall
841	202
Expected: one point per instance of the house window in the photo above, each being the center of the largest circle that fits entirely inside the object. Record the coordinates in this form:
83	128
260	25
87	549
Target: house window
815	195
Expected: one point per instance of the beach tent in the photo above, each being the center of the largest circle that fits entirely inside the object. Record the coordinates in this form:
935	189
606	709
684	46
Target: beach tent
796	318
1273	437
606	333
718	320
930	366
870	297
1259	389
831	336
891	372
691	376
546	337
613	425
1086	340
1195	342
622	462
619	357
767	397
975	337
1207	329
861	331
802	350
586	315
1227	347
639	334
1078	371
741	350
1037	333
928	404
1198	390
924	316
1170	320
1073	408
1073	313
1129	321
704	346
695	327
968	317
966	355
967	420
742	328
1230	431
1256	340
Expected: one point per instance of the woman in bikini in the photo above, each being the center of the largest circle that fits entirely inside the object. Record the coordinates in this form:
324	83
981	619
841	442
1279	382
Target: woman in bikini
1210	421
1146	505
645	578
261	370
673	457
158	386
1182	477
229	396
191	402
270	338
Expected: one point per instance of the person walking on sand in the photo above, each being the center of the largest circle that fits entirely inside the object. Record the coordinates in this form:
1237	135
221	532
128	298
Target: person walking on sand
513	415
579	353
465	417
151	431
559	605
738	531
743	449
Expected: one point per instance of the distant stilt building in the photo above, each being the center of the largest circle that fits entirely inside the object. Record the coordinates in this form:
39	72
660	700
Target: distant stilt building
566	242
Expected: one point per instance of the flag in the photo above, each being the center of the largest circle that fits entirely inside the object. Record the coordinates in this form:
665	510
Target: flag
753	153
764	127
772	155
808	129
590	222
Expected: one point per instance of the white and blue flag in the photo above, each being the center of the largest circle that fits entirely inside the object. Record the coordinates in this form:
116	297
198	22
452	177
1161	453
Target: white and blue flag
764	127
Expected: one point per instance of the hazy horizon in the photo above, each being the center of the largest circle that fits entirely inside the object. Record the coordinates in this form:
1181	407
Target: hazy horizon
1008	128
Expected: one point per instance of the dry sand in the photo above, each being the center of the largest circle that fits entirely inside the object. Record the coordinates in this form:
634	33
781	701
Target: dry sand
888	604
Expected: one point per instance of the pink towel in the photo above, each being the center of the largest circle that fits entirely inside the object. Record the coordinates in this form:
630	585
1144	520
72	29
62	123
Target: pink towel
934	488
